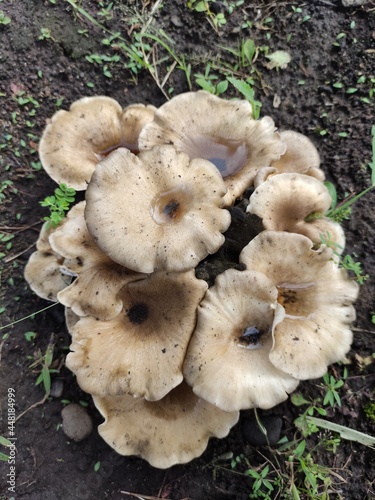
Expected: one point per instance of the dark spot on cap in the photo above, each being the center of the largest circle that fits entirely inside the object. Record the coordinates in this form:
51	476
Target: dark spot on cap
138	313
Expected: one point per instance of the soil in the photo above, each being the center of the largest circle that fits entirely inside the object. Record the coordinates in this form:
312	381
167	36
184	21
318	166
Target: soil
325	92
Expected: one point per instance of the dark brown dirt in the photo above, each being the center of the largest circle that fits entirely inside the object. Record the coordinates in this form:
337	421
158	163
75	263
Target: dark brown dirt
54	73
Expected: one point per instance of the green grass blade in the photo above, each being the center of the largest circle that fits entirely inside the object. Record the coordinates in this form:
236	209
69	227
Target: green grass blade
345	432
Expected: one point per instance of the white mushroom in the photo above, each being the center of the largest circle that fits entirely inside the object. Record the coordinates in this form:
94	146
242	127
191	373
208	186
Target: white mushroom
75	140
221	131
227	362
98	278
317	297
158	210
297	203
171	431
141	350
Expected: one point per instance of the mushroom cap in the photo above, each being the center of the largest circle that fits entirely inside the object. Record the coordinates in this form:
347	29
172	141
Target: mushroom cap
42	272
227	362
43	269
75	140
221	131
94	291
156	211
317	297
296	203
141	350
171	431
301	156
133	119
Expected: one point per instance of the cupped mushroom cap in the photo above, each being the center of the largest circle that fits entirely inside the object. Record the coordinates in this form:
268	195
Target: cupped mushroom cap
301	156
317	297
171	431
227	362
141	350
75	140
296	203
156	211
94	291
221	131
43	269
133	119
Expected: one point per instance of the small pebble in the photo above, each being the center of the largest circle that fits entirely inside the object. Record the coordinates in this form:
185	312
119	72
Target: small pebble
353	3
57	388
176	21
76	422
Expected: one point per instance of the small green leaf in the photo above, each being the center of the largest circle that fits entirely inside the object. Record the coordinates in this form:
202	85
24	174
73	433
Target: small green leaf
298	400
249	50
221	87
4	441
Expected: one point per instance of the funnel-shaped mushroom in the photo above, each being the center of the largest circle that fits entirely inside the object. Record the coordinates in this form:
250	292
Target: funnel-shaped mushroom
75	140
171	431
141	350
223	132
296	203
301	156
94	291
317	297
158	210
227	362
43	269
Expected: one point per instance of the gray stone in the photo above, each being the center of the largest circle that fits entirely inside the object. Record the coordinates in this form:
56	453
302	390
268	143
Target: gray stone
57	388
76	422
254	435
353	3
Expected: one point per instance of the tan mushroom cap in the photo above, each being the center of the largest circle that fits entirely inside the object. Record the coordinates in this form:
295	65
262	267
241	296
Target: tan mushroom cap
317	297
141	350
99	279
221	131
301	156
156	211
300	153
171	431
43	269
75	140
296	203
227	362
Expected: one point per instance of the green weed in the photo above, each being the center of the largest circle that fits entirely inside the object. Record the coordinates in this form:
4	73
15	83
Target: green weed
58	204
42	363
4	20
330	384
4	442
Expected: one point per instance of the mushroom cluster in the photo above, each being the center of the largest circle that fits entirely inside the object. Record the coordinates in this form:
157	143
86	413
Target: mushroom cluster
169	360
